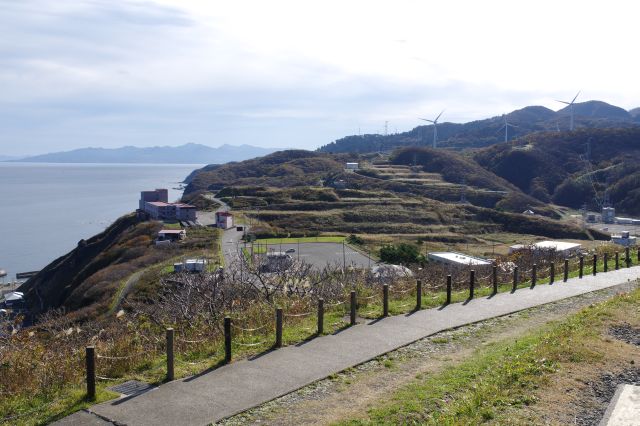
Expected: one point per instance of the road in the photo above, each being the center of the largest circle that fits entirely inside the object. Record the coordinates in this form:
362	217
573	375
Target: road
322	254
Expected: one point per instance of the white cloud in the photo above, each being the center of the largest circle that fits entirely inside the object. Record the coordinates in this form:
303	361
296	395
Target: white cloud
291	73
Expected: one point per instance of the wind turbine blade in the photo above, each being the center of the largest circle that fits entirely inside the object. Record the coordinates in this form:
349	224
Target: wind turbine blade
574	99
424	119
438	116
563	102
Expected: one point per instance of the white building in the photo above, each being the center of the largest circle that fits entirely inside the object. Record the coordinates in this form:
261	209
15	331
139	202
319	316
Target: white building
190	265
624	239
352	166
457	259
560	247
224	220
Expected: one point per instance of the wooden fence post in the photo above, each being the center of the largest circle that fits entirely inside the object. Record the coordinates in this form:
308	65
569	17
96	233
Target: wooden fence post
566	270
385	300
627	256
418	295
595	264
534	275
581	270
170	357
278	327
494	276
448	289
227	340
515	279
552	273
606	262
472	283
353	308
617	261
90	358
320	316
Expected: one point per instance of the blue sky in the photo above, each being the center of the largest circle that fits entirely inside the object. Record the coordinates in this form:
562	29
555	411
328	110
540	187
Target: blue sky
294	74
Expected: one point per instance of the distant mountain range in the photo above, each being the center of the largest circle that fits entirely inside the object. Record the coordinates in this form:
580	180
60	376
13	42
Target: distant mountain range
190	153
9	157
482	133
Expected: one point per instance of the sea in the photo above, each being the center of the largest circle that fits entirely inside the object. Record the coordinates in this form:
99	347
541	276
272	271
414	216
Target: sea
45	209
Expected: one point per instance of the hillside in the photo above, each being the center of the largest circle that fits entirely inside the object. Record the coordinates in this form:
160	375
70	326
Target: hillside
87	280
572	168
190	153
482	133
281	169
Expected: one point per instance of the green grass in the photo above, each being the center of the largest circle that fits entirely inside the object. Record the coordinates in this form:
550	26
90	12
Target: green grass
328	239
500	377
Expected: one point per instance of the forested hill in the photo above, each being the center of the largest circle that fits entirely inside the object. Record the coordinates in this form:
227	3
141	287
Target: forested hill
572	168
482	133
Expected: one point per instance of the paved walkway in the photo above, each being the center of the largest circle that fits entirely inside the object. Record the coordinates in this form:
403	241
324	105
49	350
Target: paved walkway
233	388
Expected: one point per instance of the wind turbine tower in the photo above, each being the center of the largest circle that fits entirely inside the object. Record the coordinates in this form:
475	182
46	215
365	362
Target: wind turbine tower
570	109
506	126
435	128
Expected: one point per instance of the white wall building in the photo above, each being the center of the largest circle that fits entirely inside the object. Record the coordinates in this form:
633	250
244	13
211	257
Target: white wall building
457	259
560	247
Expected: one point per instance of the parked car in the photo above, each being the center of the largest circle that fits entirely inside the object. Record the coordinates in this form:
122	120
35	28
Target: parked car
291	250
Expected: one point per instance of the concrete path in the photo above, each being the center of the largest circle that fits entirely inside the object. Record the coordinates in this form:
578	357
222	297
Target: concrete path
207	398
624	409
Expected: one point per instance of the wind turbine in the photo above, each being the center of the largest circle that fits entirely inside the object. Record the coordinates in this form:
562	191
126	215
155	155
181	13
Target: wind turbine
570	109
435	128
506	126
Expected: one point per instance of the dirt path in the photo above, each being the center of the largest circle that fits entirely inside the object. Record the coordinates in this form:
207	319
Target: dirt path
349	394
131	281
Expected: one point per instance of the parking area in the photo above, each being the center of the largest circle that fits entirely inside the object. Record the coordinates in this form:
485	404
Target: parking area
322	254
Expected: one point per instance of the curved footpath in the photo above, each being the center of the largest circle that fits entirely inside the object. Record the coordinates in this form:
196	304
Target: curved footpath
228	390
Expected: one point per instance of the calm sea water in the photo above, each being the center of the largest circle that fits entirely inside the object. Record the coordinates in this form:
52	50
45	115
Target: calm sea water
45	209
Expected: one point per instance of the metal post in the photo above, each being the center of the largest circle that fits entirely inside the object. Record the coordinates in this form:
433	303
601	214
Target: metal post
515	278
627	256
495	278
320	316
595	264
617	261
566	270
90	358
448	289
278	327
638	255
606	262
353	308
227	340
418	295
472	283
552	273
170	358
385	300
534	275
581	270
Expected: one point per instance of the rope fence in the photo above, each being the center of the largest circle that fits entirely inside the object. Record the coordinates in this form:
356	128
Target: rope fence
554	271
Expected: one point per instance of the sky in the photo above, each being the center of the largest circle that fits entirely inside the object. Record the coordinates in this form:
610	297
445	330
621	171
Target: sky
78	73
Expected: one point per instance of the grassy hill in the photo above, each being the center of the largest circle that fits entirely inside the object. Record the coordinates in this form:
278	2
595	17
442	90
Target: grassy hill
483	133
281	169
572	168
87	280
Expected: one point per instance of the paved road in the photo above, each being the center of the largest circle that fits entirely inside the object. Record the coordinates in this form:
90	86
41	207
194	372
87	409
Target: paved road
233	388
323	254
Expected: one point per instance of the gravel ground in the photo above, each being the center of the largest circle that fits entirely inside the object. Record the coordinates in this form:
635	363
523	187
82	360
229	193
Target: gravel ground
595	401
626	333
439	350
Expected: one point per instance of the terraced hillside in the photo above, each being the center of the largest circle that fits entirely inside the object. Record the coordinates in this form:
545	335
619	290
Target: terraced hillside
413	194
